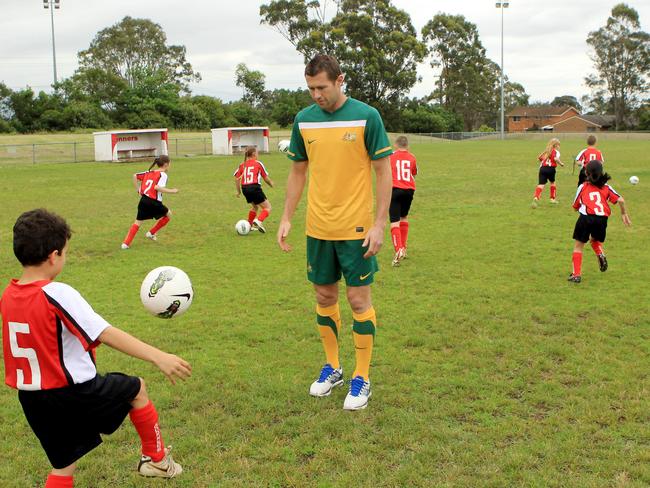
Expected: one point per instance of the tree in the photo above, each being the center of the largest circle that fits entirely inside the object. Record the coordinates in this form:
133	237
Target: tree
252	82
285	104
467	80
569	100
621	56
135	50
374	42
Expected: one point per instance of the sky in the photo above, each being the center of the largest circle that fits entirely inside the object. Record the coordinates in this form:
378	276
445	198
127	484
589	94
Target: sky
545	45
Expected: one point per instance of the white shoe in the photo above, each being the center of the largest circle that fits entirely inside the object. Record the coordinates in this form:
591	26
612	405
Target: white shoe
151	236
329	378
124	246
165	468
358	395
399	255
257	224
535	203
554	201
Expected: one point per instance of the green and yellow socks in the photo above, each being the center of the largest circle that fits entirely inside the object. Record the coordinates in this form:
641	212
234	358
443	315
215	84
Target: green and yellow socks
363	331
329	324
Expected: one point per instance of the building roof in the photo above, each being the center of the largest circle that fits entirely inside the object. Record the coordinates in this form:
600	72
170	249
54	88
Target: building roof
545	111
601	120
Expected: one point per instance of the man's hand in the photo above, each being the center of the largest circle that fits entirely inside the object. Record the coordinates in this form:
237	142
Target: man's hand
173	367
283	232
373	241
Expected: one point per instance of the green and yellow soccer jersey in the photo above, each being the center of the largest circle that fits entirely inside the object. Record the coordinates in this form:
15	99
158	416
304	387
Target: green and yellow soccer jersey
339	147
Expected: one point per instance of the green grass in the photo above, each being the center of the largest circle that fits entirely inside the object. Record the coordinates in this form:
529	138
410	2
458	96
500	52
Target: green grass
489	368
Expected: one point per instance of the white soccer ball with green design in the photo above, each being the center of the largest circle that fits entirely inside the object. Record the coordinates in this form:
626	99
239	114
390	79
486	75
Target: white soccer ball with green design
166	292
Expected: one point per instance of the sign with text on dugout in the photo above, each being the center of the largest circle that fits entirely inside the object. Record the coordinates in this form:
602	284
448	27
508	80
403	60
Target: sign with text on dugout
118	145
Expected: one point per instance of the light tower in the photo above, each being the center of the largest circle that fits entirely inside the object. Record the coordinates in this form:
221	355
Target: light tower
501	6
53	4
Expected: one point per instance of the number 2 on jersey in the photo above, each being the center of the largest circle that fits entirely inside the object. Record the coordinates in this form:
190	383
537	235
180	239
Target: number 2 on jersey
16	328
147	186
403	170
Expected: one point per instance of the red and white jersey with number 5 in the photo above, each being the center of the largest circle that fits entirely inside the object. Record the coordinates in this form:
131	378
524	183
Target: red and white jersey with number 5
591	200
589	154
148	182
404	168
251	172
49	335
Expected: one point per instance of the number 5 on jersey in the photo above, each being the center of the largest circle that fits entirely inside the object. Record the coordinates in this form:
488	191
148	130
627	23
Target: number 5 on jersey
16	328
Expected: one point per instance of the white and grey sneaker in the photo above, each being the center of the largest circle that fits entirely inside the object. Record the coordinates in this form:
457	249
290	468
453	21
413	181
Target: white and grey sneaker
124	246
258	225
357	398
165	468
329	378
151	236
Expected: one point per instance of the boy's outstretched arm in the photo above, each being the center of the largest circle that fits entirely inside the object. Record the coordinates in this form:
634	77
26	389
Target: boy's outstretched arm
172	366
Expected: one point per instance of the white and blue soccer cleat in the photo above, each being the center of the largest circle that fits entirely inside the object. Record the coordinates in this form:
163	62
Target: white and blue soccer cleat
357	398
329	378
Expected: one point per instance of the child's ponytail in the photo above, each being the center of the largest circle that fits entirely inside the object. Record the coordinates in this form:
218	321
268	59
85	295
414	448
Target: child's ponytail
160	161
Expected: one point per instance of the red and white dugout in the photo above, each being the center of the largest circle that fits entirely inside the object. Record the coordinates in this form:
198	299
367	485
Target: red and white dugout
117	145
232	140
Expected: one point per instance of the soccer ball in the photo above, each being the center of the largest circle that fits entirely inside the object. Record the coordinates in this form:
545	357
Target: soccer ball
283	145
166	292
243	227
634	180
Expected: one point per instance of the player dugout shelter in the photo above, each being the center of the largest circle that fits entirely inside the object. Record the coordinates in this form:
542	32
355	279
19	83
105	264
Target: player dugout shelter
120	145
233	140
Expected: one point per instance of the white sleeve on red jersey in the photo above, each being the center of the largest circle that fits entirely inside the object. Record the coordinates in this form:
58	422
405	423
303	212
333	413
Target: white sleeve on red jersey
238	171
76	313
162	181
264	172
580	155
576	200
613	196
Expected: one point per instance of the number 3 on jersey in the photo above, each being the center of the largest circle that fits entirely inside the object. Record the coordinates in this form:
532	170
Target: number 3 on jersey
594	196
403	170
16	328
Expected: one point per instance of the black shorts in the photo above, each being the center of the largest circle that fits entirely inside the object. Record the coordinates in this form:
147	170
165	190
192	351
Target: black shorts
590	225
253	193
582	177
400	203
148	208
546	173
68	421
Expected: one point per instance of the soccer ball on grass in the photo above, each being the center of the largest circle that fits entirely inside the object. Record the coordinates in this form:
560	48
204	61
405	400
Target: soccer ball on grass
243	227
634	180
166	292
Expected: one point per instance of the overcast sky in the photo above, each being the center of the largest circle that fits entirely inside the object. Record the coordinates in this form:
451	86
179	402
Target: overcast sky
544	42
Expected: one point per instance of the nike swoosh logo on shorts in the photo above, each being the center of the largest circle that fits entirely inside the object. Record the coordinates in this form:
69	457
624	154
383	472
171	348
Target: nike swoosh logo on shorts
363	277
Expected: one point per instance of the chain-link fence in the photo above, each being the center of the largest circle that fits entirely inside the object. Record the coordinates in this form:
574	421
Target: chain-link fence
73	152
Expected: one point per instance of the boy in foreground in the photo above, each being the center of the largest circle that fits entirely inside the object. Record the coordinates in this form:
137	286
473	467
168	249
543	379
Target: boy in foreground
49	337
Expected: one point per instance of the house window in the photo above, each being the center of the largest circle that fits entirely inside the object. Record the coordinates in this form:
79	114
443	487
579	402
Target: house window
516	118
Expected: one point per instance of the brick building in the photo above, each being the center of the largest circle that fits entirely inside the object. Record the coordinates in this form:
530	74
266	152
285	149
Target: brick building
521	119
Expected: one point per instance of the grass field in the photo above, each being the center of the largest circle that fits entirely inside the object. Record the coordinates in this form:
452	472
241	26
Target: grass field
490	369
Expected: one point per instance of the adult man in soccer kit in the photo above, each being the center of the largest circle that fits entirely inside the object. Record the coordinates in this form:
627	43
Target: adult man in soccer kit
338	141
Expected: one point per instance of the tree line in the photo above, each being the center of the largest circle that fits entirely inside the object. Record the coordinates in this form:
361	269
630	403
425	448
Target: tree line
130	77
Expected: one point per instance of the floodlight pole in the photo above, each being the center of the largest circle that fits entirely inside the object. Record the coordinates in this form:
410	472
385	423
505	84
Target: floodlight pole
52	4
501	6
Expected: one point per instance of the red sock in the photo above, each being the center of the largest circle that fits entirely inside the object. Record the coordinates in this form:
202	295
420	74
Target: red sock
553	191
538	192
263	214
56	481
159	225
251	216
597	247
404	229
145	420
396	235
131	234
577	263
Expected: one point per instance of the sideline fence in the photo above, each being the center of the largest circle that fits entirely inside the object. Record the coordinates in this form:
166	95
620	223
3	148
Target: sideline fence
77	152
